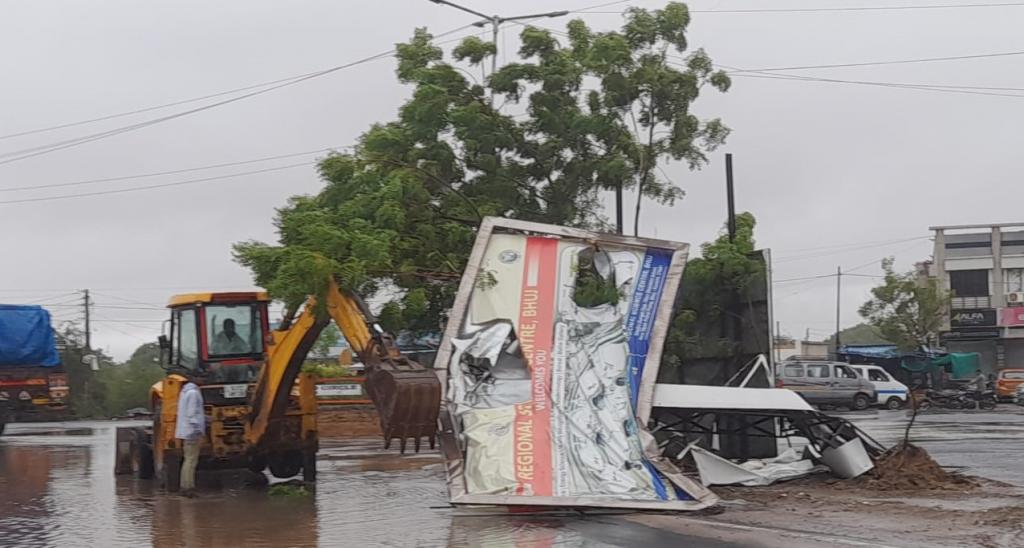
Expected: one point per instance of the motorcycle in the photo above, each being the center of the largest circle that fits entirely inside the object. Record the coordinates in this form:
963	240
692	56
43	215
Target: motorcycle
986	399
942	399
959	399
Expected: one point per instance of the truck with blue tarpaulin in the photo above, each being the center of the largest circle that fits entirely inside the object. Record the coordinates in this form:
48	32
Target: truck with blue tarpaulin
33	384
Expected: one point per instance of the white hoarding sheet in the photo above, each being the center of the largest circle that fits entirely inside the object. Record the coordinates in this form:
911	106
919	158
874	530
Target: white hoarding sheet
551	358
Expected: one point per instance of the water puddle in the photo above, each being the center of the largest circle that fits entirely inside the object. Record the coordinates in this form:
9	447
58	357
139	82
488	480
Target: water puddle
59	490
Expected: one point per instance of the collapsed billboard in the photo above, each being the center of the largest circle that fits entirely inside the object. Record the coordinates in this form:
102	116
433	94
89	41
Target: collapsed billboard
550	357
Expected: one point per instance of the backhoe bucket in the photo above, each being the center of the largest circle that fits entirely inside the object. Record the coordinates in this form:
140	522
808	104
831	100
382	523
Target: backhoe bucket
408	398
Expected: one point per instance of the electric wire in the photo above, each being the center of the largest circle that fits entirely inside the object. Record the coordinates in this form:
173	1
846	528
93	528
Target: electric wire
155	186
22	154
842	8
170	172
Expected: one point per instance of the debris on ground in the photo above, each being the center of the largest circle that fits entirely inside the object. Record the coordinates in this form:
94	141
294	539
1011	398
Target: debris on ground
908	467
715	470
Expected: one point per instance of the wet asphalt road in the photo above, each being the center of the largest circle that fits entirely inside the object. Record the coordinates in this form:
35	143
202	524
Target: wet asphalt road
980	443
57	489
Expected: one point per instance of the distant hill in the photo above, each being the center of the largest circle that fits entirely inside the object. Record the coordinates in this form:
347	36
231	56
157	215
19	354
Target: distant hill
861	333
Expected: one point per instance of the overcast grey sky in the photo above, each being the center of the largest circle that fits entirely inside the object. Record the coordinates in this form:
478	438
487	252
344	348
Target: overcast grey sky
821	165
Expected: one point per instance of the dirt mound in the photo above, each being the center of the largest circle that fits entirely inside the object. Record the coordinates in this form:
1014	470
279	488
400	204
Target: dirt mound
348	422
910	468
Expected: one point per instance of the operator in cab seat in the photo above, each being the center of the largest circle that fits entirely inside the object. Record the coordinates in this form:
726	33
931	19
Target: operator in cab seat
228	341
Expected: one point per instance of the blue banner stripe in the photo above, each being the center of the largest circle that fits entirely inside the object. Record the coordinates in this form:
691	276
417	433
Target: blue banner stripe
643	310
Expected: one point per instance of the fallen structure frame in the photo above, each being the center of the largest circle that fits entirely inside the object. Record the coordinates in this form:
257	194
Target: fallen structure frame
546	398
683	413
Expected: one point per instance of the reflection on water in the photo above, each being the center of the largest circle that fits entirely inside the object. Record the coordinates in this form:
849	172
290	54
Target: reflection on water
59	490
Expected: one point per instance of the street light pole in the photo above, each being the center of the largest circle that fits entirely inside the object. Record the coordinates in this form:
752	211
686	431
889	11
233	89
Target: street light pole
496	21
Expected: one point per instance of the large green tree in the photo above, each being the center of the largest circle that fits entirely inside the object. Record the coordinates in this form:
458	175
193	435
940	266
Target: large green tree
126	385
541	139
87	392
906	309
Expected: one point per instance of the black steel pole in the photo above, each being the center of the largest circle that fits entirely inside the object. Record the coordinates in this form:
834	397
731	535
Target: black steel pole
731	198
839	281
618	208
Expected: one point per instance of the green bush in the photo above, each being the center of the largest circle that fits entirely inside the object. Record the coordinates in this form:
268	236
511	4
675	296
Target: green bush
326	370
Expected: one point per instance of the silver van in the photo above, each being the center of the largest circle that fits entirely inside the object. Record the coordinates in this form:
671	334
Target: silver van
828	383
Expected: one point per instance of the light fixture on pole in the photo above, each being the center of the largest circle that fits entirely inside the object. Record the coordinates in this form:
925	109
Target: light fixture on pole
496	20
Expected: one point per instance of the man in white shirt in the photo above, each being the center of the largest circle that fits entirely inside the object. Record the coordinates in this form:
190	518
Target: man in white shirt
190	429
228	341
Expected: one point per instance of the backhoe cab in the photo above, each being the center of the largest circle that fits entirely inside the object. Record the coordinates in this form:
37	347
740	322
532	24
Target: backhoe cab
261	410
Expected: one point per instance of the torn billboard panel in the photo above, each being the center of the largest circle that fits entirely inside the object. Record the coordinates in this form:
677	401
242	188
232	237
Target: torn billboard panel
552	353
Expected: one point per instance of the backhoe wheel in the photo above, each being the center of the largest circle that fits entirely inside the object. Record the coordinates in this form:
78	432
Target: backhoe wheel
287	464
141	455
309	466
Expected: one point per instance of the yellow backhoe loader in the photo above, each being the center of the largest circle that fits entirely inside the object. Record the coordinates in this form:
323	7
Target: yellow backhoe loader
261	409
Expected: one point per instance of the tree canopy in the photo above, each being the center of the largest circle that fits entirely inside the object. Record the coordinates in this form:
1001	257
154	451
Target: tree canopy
906	309
542	139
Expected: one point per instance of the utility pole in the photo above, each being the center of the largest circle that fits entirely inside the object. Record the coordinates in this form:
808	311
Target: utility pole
731	198
88	331
839	282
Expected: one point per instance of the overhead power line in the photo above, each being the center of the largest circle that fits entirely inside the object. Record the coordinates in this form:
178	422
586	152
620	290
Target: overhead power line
22	154
172	172
940	88
53	147
845	8
768	73
151	187
844	249
879	63
150	109
966	90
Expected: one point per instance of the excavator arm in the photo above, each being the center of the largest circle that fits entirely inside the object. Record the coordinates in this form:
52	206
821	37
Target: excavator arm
407	395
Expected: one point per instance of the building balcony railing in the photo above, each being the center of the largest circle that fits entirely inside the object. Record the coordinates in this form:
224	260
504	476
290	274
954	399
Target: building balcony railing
968	303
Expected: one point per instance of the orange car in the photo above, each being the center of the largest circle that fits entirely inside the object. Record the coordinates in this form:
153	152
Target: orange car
1007	383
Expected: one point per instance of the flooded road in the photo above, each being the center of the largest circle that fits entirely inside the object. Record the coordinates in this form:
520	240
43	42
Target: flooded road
57	488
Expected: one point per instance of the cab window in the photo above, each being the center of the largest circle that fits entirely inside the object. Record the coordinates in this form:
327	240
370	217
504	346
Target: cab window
186	352
877	375
818	371
234	330
844	372
793	371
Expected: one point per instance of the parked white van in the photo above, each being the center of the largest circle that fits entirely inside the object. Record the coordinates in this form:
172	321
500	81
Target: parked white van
891	393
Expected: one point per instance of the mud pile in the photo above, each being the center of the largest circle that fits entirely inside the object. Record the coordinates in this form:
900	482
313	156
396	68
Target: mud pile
910	468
